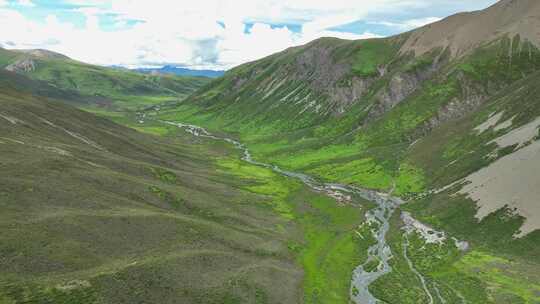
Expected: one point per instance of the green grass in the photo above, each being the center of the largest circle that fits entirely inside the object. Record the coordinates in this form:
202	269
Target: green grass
307	158
504	278
371	55
165	175
476	276
410	180
264	182
332	249
363	172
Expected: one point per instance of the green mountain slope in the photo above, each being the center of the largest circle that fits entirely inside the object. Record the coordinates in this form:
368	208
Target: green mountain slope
436	115
347	85
354	110
115	88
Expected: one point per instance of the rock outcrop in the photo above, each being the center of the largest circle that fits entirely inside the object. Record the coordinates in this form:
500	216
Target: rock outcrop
45	54
25	65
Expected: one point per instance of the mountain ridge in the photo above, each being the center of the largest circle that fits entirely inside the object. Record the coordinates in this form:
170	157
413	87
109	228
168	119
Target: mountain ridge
42	53
463	32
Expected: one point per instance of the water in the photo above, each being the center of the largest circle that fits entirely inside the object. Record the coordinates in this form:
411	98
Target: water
379	216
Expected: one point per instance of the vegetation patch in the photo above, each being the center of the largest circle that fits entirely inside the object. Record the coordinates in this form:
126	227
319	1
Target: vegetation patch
371	55
362	172
265	182
164	175
31	293
410	180
504	278
332	248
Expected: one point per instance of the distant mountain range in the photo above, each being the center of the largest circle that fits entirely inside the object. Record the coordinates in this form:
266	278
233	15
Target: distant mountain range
169	69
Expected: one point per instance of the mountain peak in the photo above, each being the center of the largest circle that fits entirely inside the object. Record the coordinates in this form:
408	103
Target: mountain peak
42	53
465	31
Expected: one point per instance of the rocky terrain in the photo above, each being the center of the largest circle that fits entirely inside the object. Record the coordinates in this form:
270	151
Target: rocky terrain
464	32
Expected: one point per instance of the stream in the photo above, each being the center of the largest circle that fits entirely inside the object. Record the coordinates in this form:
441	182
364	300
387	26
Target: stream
378	217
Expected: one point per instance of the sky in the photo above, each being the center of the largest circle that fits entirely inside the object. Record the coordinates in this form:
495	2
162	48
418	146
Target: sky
209	34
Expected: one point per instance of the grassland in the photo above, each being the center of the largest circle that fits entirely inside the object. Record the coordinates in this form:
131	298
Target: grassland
372	55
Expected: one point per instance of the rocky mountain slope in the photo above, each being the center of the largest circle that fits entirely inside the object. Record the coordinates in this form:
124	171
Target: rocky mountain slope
464	32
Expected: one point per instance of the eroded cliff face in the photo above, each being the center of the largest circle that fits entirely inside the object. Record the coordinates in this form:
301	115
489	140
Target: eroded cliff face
342	97
330	79
471	97
400	86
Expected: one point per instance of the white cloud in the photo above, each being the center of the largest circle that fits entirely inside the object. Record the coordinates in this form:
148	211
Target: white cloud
27	3
409	24
414	23
190	32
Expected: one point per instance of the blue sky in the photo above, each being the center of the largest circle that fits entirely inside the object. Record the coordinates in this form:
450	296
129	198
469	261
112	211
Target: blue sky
216	34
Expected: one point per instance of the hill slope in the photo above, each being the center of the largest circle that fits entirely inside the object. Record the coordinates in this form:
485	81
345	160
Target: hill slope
116	88
93	212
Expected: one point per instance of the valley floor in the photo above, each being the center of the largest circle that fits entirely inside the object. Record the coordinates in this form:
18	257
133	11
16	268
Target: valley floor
445	271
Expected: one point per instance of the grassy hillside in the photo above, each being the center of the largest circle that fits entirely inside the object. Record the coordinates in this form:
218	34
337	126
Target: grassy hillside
112	88
94	212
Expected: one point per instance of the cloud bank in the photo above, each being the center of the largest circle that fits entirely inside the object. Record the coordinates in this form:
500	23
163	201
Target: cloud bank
216	34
